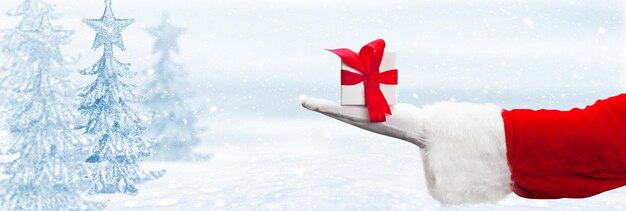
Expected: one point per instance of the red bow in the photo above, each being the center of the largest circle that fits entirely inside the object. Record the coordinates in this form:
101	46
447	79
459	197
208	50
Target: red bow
368	63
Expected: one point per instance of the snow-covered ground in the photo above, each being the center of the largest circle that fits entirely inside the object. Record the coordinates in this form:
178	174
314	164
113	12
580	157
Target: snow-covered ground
336	167
250	62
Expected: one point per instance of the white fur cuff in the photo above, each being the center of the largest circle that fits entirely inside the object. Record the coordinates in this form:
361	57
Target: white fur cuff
465	154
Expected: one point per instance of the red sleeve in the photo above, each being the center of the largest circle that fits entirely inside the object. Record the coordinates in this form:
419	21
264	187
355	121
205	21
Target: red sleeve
567	154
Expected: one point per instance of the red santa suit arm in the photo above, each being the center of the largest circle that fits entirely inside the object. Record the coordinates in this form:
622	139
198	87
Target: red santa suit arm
478	153
567	154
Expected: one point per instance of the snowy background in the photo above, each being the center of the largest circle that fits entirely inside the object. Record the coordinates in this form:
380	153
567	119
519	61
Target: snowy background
250	62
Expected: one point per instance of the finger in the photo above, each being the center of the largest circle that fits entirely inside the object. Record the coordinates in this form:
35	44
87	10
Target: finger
335	110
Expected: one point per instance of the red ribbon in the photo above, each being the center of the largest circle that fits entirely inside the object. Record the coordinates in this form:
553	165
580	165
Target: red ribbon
368	63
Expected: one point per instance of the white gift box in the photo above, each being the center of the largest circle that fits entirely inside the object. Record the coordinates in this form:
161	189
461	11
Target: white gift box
355	94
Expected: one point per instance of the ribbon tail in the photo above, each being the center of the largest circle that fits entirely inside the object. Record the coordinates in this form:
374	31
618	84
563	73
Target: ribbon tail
377	106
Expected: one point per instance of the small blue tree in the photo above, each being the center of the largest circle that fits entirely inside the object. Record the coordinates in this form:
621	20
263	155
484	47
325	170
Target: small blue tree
116	126
15	62
166	95
48	171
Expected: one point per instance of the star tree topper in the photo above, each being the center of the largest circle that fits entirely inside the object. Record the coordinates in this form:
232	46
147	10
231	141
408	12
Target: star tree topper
48	39
108	28
166	35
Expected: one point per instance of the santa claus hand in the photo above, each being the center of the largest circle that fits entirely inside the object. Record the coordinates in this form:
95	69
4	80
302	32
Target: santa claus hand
404	124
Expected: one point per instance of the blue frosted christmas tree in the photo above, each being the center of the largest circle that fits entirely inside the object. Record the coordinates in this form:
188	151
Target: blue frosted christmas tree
109	117
47	173
166	96
15	65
